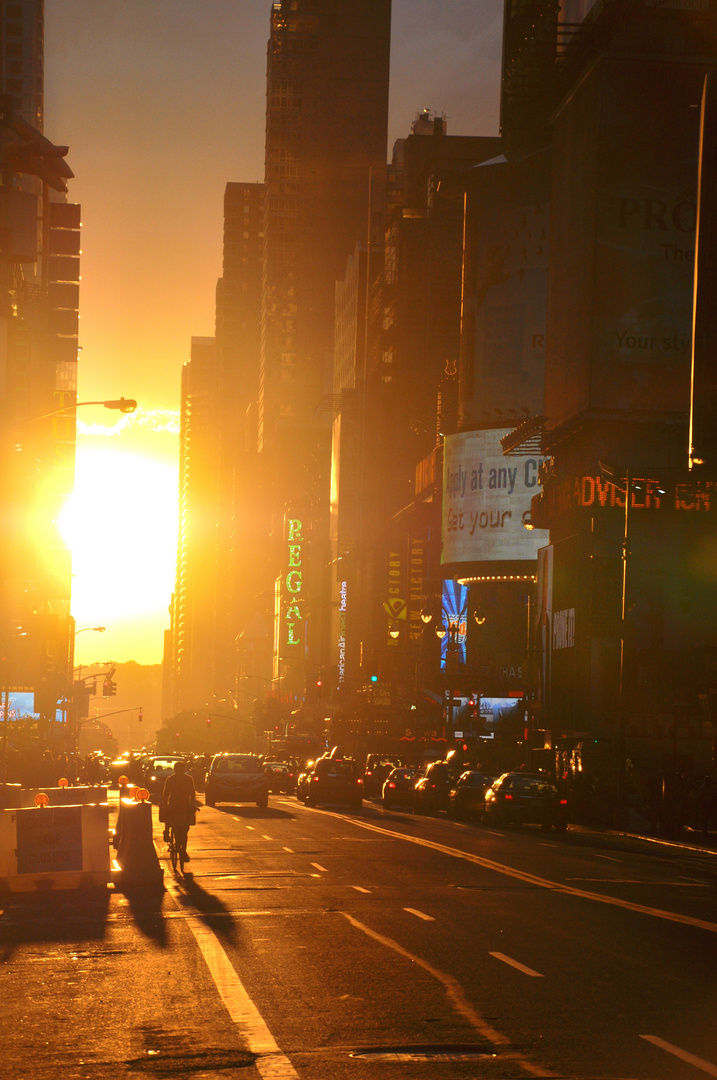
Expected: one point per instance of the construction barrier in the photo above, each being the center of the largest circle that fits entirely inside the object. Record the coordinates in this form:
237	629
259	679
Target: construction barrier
46	847
136	853
12	795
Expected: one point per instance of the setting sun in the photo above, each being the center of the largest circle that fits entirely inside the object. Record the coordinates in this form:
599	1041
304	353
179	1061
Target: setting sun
121	526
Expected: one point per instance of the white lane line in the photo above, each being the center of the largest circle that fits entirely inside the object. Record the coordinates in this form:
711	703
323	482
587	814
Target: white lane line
683	1055
250	827
271	1063
454	990
319	867
543	844
539	882
641	881
419	914
491	833
517	965
456	997
359	888
290	850
608	857
266	837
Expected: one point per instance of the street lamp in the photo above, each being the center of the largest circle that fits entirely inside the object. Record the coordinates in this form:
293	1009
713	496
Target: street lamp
123	405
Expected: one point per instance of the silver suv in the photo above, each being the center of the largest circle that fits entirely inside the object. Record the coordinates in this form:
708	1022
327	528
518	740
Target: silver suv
235	778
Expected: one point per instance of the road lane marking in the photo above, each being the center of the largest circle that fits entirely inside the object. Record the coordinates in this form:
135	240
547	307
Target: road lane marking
290	850
608	857
319	867
683	1055
533	879
543	844
452	987
271	1063
360	888
517	965
419	914
491	833
641	881
454	993
250	827
266	837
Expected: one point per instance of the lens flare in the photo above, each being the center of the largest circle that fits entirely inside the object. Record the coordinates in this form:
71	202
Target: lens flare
121	526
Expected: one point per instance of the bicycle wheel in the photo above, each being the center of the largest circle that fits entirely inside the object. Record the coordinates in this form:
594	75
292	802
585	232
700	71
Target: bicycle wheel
173	849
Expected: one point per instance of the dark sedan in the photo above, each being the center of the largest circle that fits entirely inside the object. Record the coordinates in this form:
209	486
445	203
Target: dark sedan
302	780
526	798
398	788
280	777
467	798
335	780
431	792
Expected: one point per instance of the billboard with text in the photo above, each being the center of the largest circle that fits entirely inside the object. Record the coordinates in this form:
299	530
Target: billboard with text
486	500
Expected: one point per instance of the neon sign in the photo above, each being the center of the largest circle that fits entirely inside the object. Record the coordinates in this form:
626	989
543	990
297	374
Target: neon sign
342	631
293	617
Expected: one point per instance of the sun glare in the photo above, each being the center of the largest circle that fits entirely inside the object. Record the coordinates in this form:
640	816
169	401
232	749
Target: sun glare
121	526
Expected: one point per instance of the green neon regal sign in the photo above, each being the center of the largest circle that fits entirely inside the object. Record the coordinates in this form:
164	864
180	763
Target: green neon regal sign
293	618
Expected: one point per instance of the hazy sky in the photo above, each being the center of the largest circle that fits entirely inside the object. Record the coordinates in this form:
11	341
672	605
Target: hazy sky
162	102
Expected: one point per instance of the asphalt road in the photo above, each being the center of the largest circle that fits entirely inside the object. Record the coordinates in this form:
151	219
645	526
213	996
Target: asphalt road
318	944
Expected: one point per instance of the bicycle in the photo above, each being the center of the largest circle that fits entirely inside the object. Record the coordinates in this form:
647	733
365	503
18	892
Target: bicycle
176	853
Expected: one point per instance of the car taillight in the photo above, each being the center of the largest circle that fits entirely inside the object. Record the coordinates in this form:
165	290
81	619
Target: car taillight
360	781
368	772
563	802
507	796
433	785
390	784
314	779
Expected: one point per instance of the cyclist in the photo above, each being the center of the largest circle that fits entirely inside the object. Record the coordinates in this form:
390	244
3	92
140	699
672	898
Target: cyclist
178	807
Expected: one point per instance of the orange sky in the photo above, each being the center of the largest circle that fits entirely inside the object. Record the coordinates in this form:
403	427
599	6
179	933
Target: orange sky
162	103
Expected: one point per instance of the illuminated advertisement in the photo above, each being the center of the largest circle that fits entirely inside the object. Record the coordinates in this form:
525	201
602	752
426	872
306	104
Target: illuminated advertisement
343	607
486	499
495	709
455	614
293	587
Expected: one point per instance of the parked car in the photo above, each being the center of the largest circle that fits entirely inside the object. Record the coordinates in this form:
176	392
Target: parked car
279	777
398	788
236	778
377	769
519	798
431	792
467	798
335	780
156	772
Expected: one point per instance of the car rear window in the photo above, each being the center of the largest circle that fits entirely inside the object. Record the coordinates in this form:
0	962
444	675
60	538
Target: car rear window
237	765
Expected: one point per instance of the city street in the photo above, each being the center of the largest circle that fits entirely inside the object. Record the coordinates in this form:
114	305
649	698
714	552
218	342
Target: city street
315	944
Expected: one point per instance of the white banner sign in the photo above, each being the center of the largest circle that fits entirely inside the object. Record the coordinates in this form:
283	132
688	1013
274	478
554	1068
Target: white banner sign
486	498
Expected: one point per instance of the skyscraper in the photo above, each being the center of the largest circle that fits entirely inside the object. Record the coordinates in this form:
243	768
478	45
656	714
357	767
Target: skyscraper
326	137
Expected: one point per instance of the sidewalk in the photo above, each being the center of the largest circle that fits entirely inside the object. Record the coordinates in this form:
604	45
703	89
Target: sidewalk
692	842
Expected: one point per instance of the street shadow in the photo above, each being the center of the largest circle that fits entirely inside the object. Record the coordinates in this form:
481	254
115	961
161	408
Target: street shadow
146	906
212	911
258	813
61	915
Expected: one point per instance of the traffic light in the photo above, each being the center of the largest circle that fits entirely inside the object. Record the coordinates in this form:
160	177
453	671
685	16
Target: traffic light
374	678
209	721
109	688
139	716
